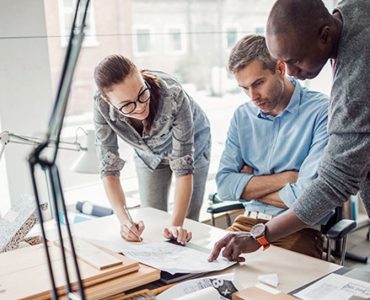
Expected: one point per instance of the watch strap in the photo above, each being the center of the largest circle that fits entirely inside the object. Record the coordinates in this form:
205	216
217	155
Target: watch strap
263	242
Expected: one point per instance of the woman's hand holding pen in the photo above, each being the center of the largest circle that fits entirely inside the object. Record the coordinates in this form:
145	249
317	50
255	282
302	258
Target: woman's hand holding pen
132	231
178	233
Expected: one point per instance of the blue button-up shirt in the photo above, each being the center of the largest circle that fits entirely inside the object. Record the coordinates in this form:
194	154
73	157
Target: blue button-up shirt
293	140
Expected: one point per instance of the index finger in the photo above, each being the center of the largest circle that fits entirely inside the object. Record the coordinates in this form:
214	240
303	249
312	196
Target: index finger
140	227
218	246
134	228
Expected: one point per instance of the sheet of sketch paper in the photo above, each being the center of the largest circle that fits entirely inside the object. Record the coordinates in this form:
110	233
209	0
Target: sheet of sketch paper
168	257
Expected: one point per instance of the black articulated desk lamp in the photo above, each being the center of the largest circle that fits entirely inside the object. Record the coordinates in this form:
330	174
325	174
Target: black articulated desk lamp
39	158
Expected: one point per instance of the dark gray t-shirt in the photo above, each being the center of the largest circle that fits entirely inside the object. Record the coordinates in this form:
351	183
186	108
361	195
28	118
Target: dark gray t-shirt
180	133
345	165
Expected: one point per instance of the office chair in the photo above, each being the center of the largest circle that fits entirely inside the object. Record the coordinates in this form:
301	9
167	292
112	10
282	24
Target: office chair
335	230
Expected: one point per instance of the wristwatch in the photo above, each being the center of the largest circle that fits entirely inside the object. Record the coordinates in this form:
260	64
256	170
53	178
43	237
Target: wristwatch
258	233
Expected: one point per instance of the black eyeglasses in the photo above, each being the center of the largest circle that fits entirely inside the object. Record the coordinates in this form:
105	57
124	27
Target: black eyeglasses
129	106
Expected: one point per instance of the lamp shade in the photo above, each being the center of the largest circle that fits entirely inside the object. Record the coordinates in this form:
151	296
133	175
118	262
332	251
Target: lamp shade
88	160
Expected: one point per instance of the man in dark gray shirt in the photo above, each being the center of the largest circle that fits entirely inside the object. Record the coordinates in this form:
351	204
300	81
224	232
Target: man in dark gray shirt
305	36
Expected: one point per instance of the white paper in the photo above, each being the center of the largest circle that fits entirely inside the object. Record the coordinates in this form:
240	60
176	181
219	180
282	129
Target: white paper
213	287
336	287
270	279
208	293
168	257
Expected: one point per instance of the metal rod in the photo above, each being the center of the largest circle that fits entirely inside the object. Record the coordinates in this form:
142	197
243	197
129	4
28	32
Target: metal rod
41	219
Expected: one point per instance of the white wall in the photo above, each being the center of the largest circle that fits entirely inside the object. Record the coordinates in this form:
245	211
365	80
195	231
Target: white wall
25	86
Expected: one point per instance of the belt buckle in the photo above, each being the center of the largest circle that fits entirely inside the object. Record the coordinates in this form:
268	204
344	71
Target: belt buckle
257	215
264	216
253	214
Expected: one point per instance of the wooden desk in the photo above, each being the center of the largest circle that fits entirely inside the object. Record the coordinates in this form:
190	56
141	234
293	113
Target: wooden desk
293	269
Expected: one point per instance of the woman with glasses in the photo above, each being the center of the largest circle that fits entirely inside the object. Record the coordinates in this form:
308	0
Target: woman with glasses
169	132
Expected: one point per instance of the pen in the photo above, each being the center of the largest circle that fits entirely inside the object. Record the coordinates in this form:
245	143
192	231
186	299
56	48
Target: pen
132	223
128	215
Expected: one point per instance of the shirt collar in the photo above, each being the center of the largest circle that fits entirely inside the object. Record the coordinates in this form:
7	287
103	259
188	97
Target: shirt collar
294	102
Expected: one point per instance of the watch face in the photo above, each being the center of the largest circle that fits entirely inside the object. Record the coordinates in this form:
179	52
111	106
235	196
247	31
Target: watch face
258	230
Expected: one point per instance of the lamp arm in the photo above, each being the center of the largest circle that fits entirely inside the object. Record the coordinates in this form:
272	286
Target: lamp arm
8	137
2	150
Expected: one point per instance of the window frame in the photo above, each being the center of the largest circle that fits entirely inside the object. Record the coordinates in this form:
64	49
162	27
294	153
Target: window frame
90	34
226	30
181	30
135	40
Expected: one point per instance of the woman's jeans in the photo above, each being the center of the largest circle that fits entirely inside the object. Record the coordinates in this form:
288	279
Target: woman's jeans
154	185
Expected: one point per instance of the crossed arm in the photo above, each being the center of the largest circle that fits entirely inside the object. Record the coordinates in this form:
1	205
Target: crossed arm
265	188
236	180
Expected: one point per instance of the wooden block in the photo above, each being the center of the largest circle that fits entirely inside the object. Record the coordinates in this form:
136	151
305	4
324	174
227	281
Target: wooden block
143	276
255	293
24	258
91	254
24	273
115	286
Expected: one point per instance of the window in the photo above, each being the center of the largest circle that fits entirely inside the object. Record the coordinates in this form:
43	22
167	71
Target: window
175	41
66	10
231	37
260	30
142	40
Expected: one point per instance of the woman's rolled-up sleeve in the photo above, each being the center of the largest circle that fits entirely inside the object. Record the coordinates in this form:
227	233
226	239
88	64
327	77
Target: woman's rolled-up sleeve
182	155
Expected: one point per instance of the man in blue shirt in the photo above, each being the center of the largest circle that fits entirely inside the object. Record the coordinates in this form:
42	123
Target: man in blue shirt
274	143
